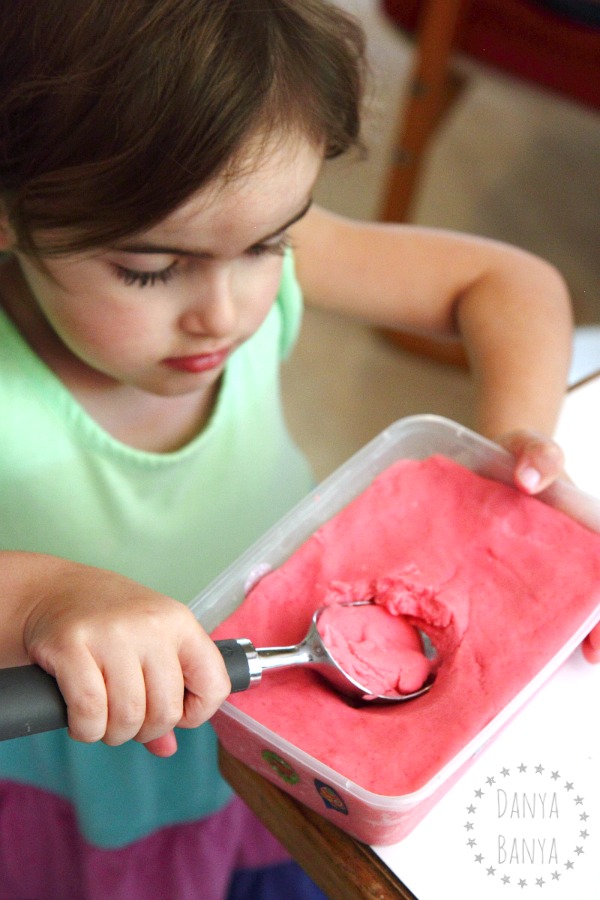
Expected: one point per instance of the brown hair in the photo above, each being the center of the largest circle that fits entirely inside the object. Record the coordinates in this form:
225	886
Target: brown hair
113	112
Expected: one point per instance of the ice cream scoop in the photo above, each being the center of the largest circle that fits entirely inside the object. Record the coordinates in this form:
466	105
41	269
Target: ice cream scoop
246	663
31	702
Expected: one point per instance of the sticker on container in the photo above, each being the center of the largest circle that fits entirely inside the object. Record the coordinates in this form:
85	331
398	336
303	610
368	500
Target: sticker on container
280	767
330	797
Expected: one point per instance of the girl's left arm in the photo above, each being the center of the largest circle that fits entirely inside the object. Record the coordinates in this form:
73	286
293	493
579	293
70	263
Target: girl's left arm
510	308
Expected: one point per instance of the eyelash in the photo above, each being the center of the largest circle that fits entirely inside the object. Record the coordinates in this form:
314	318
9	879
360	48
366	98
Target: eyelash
146	279
149	279
278	248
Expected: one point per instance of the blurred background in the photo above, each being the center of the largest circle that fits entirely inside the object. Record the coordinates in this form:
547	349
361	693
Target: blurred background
511	161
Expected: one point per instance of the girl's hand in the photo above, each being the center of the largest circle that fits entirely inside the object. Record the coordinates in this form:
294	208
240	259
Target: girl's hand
539	461
130	663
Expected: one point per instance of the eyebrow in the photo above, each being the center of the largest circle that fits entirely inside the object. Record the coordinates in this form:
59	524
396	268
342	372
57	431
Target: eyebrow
149	247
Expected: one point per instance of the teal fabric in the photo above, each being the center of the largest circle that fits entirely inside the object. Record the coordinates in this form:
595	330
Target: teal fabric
172	521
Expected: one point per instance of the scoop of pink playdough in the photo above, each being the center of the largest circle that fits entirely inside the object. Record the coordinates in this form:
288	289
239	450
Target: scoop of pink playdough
380	651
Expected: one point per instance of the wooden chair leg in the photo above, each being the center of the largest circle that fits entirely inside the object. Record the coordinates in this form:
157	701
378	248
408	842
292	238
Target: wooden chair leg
433	88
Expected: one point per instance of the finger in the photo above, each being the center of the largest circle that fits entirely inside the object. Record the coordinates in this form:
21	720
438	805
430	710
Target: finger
539	465
206	680
85	696
126	691
539	460
164	746
164	687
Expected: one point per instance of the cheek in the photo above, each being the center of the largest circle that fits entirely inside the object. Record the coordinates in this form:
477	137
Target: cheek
258	291
97	330
78	318
101	337
87	323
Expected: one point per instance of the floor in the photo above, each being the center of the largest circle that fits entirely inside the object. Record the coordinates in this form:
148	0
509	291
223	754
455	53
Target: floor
513	163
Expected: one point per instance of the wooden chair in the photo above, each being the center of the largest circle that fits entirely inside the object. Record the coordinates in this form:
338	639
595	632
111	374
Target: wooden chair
552	43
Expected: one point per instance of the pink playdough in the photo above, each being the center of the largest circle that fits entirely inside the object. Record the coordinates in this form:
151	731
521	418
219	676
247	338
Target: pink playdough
499	580
380	651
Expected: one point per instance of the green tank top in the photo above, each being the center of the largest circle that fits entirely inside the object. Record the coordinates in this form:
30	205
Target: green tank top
172	521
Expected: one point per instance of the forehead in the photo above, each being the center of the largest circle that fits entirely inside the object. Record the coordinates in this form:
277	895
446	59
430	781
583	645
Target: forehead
271	182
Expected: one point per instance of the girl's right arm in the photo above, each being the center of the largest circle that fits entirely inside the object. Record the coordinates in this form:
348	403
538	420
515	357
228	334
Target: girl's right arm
130	663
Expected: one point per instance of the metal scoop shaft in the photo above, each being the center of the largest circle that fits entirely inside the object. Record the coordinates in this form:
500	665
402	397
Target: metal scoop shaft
311	652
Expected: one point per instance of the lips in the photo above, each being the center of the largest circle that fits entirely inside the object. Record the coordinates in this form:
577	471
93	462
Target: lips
200	362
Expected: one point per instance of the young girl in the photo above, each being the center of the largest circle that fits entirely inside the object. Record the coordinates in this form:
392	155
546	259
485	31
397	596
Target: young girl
157	159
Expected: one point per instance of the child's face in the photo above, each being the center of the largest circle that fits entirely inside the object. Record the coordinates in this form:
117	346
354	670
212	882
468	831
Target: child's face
163	310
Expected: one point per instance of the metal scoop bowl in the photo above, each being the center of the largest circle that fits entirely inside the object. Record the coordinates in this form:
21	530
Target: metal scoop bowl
311	652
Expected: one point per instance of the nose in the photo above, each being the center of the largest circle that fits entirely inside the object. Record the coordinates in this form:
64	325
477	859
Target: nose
211	309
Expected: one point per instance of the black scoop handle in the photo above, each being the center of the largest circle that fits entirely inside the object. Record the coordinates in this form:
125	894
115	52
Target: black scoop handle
31	702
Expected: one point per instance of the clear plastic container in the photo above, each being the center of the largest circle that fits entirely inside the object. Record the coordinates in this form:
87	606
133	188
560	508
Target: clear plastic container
373	818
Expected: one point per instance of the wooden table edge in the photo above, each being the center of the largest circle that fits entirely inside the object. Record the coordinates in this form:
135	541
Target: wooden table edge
353	870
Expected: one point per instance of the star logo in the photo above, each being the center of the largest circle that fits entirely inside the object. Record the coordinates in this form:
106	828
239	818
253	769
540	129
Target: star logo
523	813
